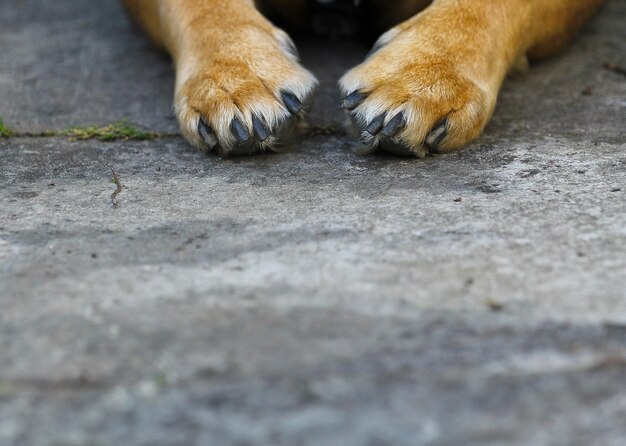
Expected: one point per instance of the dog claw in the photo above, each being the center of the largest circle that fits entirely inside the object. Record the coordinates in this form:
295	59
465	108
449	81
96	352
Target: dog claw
260	129
293	104
207	135
239	130
438	133
353	100
374	127
395	126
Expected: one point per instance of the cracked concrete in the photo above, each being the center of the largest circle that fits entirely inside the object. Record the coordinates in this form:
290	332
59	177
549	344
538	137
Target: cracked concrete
315	297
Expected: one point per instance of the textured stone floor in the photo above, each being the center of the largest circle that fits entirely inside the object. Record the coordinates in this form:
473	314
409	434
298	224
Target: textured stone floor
311	298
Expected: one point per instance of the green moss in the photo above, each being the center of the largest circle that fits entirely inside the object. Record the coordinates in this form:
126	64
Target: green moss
4	131
120	130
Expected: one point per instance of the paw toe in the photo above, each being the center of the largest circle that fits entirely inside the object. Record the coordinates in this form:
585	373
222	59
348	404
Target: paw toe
376	124
291	101
395	126
353	100
260	129
239	130
207	135
437	135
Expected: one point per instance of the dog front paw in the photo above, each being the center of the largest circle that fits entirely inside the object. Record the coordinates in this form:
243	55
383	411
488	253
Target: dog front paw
410	98
248	94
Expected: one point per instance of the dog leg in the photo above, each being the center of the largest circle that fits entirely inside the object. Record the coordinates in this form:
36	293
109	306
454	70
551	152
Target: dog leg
431	83
239	86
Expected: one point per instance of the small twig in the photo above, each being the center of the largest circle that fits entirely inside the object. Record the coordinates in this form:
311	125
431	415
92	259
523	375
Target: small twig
614	67
119	188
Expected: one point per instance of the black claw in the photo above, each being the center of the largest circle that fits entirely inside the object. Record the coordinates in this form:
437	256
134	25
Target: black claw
395	126
353	100
437	134
207	134
293	104
239	130
374	127
260	129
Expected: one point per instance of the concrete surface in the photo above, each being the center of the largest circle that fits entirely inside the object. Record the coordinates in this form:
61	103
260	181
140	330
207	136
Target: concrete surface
316	297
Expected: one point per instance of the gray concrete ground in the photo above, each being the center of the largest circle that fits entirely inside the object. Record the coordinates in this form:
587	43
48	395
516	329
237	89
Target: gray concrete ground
316	297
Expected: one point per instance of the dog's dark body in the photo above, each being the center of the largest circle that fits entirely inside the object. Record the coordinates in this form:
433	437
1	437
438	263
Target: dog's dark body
430	85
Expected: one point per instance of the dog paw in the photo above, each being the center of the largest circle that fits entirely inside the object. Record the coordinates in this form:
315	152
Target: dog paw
411	97
245	95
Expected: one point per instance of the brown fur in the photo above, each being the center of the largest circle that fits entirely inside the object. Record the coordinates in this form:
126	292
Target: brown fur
441	67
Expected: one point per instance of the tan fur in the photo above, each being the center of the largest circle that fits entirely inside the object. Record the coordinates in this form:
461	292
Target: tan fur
445	64
231	62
